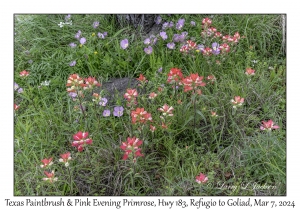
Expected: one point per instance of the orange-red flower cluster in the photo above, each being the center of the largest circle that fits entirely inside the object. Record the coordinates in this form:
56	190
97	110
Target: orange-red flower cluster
140	116
132	147
192	82
75	82
174	76
80	140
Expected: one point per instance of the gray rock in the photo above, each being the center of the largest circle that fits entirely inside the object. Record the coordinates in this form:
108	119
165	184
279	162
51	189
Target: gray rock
143	22
116	87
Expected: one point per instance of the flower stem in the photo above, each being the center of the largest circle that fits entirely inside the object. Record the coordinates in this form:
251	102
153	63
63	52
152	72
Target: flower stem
88	157
194	104
175	89
132	176
80	103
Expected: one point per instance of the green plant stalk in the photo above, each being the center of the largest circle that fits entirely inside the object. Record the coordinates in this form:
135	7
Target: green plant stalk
268	144
132	175
214	132
95	108
152	61
142	138
194	105
98	116
88	157
80	104
175	89
129	117
70	180
132	163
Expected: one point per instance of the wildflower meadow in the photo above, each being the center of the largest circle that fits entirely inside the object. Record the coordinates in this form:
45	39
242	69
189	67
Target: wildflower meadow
192	108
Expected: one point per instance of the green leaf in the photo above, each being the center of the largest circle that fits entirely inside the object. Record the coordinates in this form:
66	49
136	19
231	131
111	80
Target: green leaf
187	121
200	113
118	32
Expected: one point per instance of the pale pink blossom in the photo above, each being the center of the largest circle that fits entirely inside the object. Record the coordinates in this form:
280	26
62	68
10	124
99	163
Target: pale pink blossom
201	178
268	125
